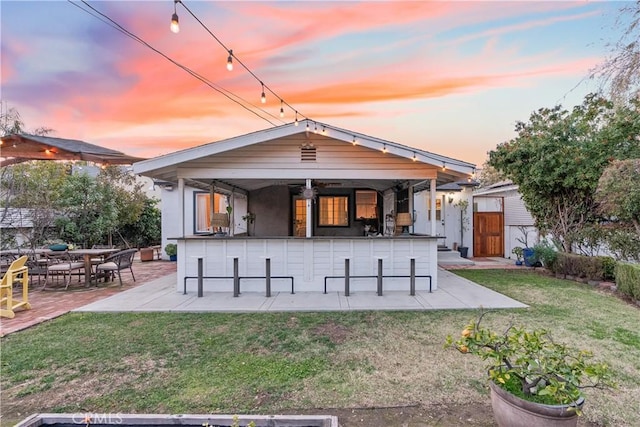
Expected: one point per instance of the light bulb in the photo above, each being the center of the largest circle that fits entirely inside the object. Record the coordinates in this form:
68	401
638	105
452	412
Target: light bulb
281	108
354	140
175	26
414	157
384	148
263	97
296	122
230	61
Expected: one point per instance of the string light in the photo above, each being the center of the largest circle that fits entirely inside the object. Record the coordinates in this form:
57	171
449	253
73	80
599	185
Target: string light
230	61
263	97
296	122
444	166
307	125
175	25
384	148
354	140
324	131
315	127
414	156
281	108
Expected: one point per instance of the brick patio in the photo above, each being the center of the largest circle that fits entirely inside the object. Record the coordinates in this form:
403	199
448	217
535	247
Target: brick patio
52	302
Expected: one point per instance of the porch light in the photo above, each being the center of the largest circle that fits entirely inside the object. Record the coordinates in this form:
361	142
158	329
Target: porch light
175	26
263	97
230	60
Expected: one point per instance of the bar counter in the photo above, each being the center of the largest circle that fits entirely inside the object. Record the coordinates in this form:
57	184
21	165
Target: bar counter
308	260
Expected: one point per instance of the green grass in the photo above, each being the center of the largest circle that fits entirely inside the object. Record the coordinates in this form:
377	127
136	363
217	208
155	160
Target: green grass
270	362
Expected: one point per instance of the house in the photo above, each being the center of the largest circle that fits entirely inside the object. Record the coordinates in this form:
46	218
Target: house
501	221
303	202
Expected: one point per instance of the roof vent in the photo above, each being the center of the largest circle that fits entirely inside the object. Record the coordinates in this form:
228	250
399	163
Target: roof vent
307	154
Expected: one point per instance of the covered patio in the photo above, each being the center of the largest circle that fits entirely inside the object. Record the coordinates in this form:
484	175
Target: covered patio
303	203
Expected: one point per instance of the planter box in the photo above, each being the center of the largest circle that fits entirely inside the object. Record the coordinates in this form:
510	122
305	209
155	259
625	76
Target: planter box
146	254
139	420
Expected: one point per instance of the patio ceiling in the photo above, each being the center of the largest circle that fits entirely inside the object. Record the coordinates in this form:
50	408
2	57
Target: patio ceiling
23	147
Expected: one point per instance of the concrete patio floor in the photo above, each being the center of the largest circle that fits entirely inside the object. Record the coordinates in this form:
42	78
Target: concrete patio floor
454	292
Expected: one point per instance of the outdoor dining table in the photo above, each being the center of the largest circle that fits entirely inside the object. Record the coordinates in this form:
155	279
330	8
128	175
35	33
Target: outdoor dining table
87	255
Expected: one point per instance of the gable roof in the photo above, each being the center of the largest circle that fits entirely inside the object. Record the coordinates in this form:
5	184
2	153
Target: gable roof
18	148
356	138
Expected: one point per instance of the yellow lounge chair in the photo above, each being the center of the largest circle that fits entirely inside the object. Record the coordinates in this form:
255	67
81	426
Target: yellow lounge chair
17	272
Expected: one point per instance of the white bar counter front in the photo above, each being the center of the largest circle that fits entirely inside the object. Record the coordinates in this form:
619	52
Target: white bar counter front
308	260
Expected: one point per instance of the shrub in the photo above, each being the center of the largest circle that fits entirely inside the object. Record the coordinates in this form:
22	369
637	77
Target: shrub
546	254
609	265
628	279
588	267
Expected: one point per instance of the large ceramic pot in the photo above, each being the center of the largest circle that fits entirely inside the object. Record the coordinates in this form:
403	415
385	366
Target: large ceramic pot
511	411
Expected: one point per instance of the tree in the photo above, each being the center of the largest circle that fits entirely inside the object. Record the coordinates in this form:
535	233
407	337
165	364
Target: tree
620	69
93	209
33	190
489	175
618	197
618	192
558	157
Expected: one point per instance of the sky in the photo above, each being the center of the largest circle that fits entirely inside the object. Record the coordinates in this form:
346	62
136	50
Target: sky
449	77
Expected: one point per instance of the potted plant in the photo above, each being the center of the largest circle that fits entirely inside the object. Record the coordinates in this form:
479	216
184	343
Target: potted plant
518	252
463	204
250	218
534	380
172	250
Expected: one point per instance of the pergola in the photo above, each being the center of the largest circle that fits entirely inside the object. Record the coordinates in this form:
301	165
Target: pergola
17	148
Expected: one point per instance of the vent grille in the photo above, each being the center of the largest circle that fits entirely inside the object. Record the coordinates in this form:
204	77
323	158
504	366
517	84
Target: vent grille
308	154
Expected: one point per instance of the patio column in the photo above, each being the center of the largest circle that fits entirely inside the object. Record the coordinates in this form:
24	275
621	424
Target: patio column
412	210
432	196
309	222
181	205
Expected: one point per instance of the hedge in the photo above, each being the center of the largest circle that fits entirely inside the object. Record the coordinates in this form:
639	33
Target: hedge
588	267
628	279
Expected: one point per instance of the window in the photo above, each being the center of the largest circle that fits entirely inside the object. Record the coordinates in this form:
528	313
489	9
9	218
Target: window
333	211
204	208
438	209
366	204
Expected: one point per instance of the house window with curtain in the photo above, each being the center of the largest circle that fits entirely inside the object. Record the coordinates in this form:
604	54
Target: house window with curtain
366	204
333	211
203	208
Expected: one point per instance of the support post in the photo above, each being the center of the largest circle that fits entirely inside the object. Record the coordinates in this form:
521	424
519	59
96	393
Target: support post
346	277
267	273
379	277
236	278
200	290
412	278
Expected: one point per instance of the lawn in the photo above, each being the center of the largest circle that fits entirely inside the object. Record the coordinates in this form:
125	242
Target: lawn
304	362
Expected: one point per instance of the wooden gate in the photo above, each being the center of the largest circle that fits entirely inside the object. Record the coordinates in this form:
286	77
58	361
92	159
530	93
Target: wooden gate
488	234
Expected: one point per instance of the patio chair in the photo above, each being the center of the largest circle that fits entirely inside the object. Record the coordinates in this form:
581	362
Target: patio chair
61	263
17	272
117	262
100	259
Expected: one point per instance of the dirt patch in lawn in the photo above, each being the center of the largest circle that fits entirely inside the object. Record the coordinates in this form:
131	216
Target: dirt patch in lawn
336	333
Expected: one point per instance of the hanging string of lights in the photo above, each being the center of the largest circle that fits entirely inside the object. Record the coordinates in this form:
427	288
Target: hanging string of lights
263	98
247	105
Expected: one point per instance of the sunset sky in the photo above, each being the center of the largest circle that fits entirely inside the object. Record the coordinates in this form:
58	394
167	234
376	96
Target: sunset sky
448	77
